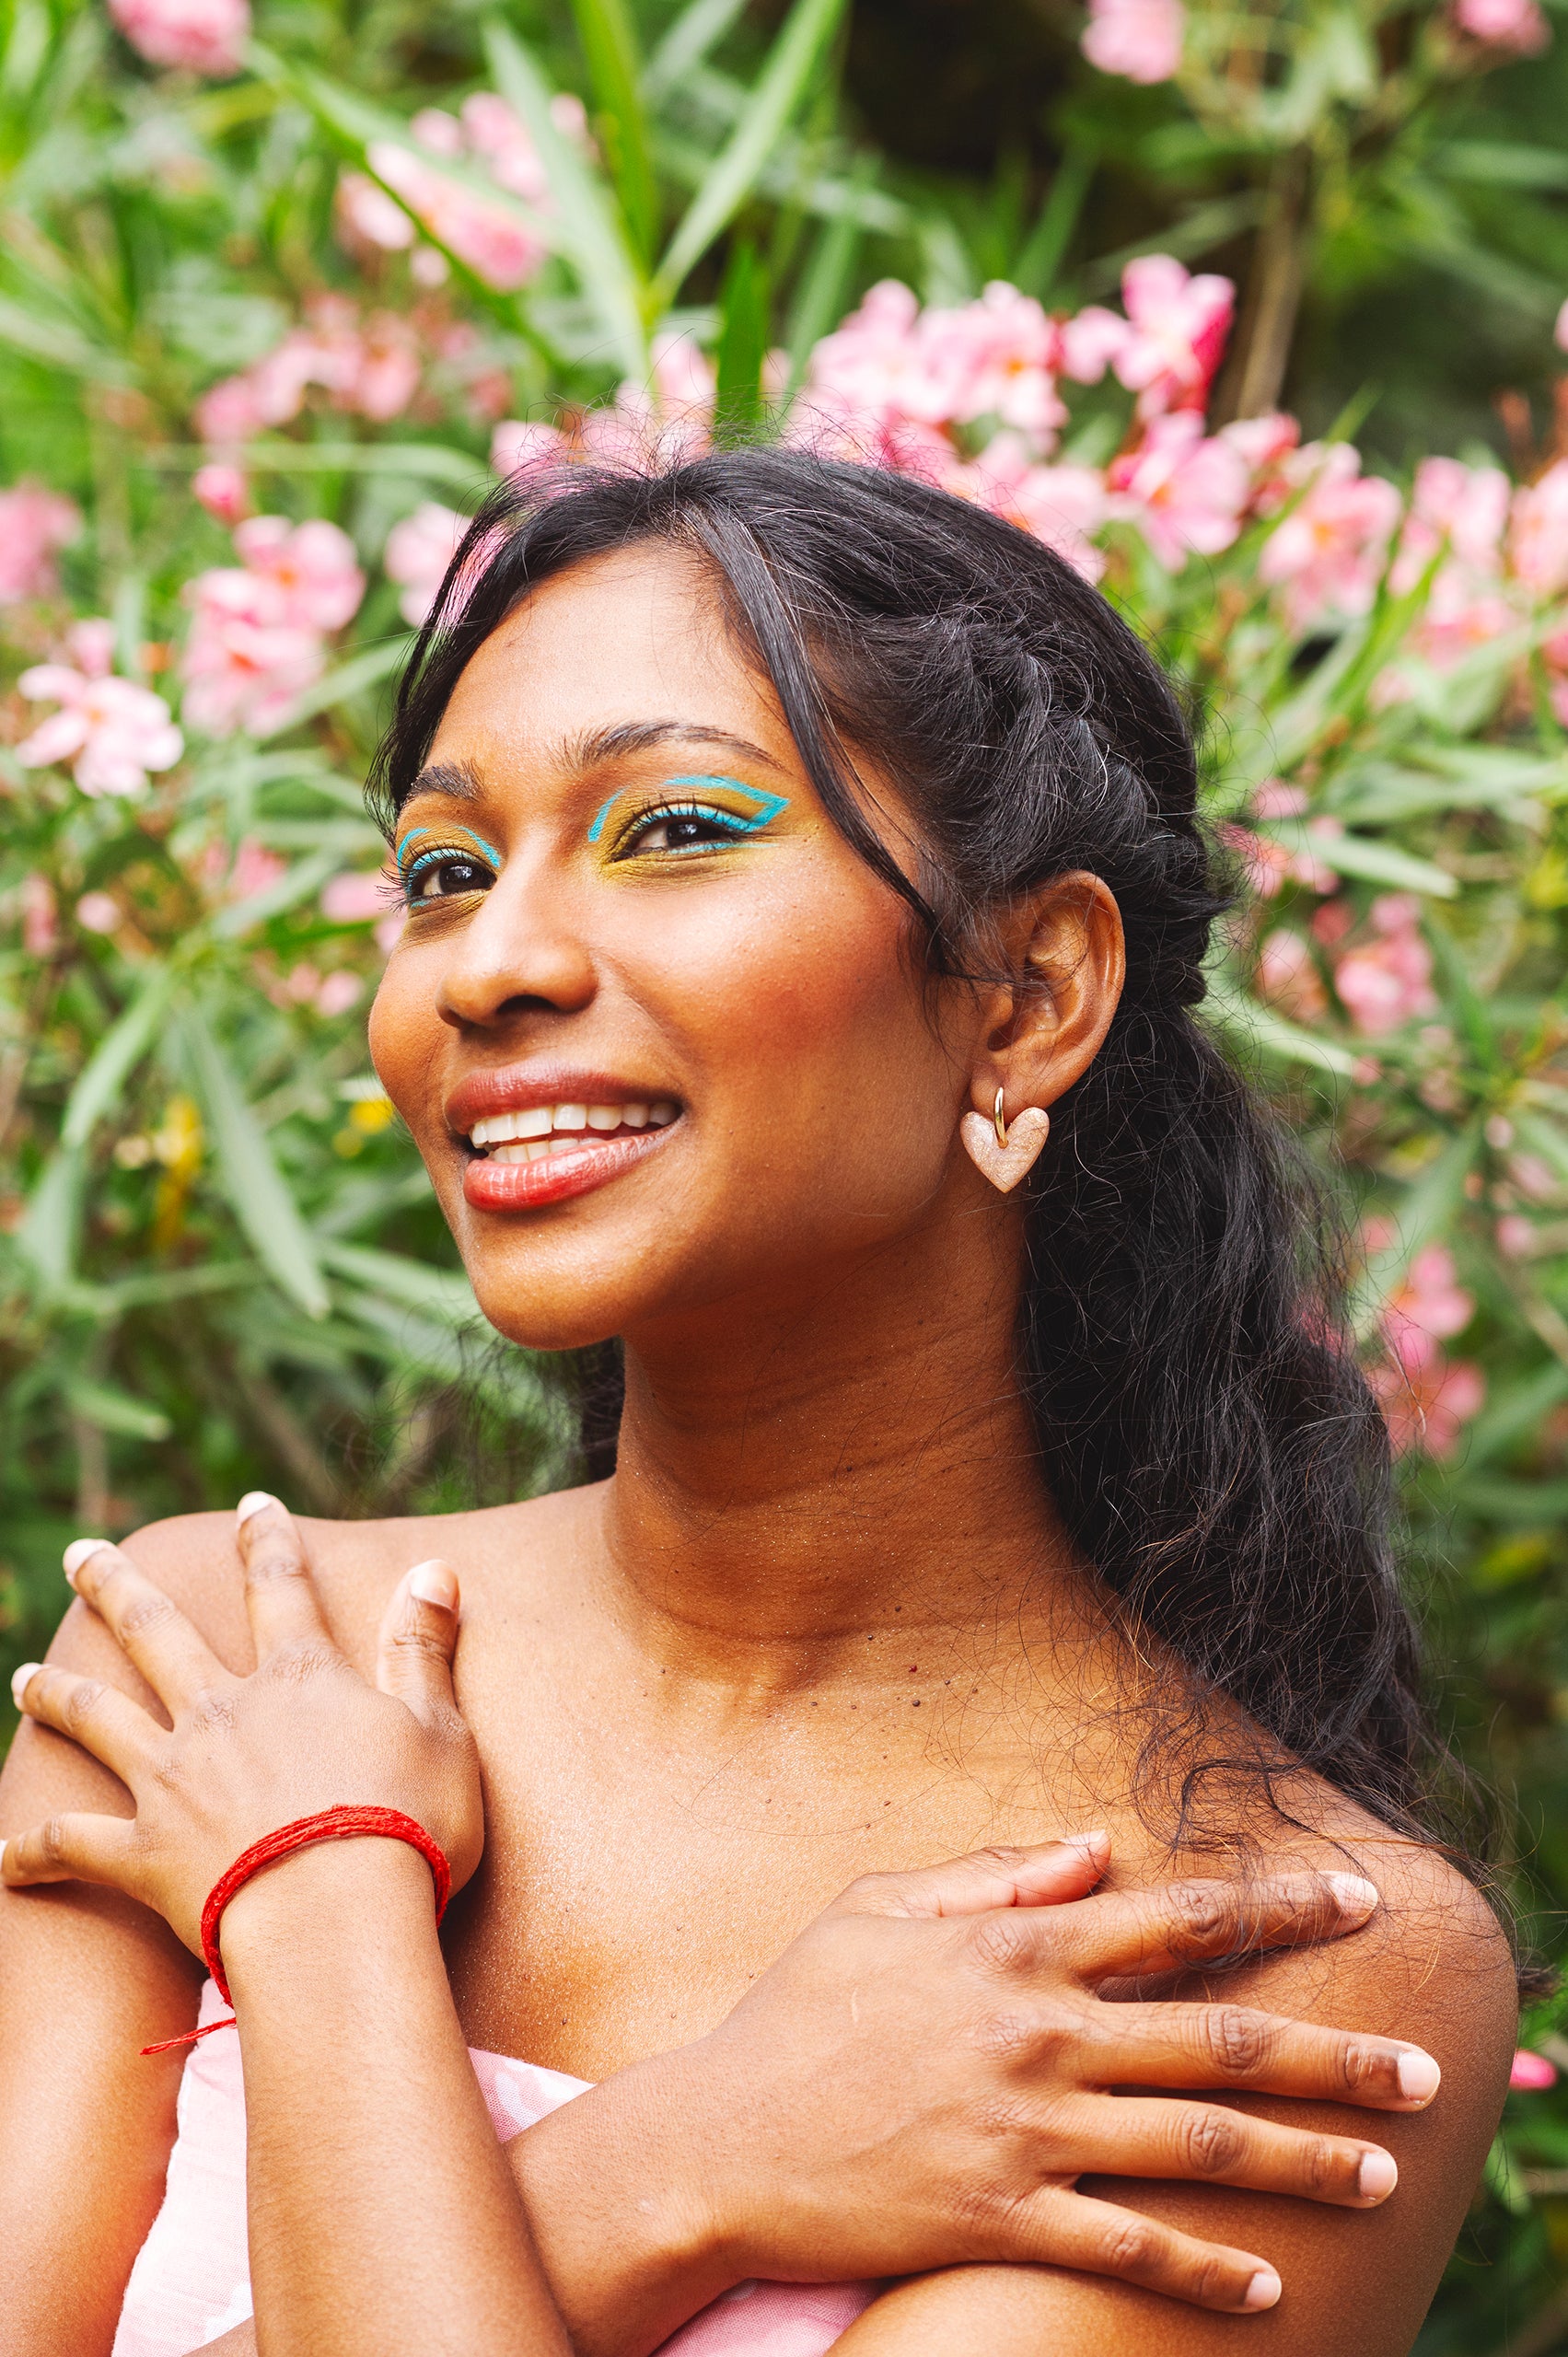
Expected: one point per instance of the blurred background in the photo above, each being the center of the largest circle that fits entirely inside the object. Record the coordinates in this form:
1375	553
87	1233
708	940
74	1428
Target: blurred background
1256	311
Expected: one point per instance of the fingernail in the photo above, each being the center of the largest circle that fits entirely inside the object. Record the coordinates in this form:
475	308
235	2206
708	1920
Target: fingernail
1418	2076
1263	2290
1355	1894
77	1554
1096	1840
435	1583
19	1680
252	1503
1376	2176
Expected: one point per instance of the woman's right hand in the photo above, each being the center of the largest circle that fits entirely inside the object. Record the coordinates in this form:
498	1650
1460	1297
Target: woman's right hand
923	2075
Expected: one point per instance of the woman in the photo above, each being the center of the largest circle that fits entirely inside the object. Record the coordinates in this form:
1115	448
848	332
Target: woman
806	908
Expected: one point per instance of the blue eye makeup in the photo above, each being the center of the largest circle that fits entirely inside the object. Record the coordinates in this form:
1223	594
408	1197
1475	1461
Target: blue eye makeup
690	825
447	866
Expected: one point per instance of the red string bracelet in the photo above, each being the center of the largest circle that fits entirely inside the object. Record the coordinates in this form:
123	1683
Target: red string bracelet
343	1824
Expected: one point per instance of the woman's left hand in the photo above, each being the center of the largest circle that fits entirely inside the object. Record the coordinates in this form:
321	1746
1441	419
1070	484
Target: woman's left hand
243	1756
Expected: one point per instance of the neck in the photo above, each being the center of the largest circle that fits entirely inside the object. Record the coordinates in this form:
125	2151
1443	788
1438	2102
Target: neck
800	1483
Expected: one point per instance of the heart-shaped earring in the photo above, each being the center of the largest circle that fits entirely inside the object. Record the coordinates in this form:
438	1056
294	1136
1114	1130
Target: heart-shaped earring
1003	1151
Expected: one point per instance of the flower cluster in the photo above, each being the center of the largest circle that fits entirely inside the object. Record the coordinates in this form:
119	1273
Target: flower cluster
108	732
495	239
368	367
1426	1398
203	36
259	629
34	523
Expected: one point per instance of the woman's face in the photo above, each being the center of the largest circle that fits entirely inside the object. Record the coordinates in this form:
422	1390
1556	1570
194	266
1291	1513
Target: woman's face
652	1022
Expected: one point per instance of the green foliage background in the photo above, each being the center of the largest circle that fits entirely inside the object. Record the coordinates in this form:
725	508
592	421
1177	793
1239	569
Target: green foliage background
220	1267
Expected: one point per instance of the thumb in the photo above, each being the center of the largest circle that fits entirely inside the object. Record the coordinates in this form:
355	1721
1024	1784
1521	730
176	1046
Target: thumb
1043	1876
419	1636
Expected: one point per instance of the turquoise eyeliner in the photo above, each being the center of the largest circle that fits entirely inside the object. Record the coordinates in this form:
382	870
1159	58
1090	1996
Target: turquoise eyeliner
768	804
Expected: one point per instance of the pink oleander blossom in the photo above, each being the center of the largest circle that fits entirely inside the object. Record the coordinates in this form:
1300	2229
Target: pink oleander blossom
1288	976
891	366
244	666
517	444
356	897
1178	324
419	550
108	732
1387	982
223	490
1431	1301
1138	39
494	240
1426	1398
33	524
311	566
1518	26
1327	554
1530	2073
1060	506
1538	537
370	367
41	926
203	36
1186	491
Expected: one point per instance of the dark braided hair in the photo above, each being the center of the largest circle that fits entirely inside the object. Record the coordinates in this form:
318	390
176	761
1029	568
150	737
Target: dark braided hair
1209	1442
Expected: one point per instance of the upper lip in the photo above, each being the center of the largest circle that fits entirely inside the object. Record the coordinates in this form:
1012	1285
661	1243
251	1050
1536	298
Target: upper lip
512	1088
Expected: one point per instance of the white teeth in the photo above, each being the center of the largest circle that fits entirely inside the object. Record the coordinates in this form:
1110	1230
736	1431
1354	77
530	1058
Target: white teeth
545	1129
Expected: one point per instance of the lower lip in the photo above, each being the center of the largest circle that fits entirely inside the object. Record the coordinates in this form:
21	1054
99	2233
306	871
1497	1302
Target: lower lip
556	1177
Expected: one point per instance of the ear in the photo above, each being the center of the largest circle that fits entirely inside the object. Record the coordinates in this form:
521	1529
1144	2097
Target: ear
1039	1034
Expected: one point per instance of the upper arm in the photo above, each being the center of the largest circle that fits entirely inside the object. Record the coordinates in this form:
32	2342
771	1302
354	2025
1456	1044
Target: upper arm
87	1978
1433	1967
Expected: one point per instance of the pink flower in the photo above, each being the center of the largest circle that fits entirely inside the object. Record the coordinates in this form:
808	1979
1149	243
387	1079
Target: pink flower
1328	553
1516	1236
1388	982
355	898
338	993
1263	442
100	912
494	240
244	663
1139	39
109	732
1185	491
1179	325
40	931
366	216
1431	1301
256	869
1091	341
1532	2072
1539	532
1517	26
419	549
892	365
371	370
33	524
515	445
205	35
311	566
1466	507
1060	506
223	490
1425	1397
1288	976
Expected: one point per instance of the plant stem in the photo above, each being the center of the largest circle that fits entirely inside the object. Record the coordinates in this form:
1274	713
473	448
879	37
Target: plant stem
1255	374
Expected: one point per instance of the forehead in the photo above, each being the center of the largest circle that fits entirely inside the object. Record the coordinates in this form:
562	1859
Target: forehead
614	643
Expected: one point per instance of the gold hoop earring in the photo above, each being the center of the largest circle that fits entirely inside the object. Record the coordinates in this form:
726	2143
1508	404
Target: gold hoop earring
997	1118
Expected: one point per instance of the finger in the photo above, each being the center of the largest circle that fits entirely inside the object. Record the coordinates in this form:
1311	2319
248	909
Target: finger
72	1849
280	1594
419	1636
1201	1922
1207	2142
147	1626
1043	1876
1209	2046
98	1717
1061	2228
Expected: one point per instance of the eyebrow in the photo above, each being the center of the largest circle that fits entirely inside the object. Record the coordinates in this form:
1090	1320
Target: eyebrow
458	780
600	745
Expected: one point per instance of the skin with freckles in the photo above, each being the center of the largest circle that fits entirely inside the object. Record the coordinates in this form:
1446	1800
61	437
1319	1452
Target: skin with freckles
823	1621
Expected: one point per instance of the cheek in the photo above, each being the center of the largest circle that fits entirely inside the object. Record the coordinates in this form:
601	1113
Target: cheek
404	1030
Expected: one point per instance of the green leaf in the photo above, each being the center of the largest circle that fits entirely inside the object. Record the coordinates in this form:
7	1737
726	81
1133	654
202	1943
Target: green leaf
1427	1209
49	1227
254	1185
1273	1034
743	346
820	298
1380	862
350	678
116	1411
698	28
116	1057
591	231
783	83
412	1284
615	70
1041	259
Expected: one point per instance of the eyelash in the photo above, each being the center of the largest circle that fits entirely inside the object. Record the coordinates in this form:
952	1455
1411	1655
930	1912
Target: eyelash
442	855
731	826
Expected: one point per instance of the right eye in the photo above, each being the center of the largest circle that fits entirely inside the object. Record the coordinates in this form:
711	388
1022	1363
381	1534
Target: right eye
444	874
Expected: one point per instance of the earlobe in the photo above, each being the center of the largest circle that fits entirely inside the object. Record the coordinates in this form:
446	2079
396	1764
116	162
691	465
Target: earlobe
1004	1151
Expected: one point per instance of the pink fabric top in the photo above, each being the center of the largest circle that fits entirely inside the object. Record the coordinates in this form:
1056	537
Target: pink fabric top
192	2281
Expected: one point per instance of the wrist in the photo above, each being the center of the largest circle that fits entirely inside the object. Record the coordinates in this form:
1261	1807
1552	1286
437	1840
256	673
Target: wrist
334	1904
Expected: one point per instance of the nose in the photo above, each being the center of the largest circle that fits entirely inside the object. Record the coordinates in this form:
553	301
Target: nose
522	953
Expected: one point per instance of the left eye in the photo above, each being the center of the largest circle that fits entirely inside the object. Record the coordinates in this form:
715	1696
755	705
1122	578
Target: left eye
691	827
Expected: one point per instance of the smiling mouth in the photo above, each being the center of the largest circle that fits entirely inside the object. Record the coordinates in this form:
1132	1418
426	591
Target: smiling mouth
541	1130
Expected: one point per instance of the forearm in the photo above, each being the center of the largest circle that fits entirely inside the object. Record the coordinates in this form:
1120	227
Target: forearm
383	2215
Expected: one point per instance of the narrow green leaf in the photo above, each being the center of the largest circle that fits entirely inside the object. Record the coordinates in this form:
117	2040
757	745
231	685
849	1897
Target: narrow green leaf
49	1224
116	1411
698	30
254	1185
819	300
615	70
116	1057
411	1284
350	678
784	80
1428	1206
1378	863
592	230
1273	1034
304	877
743	346
1041	259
